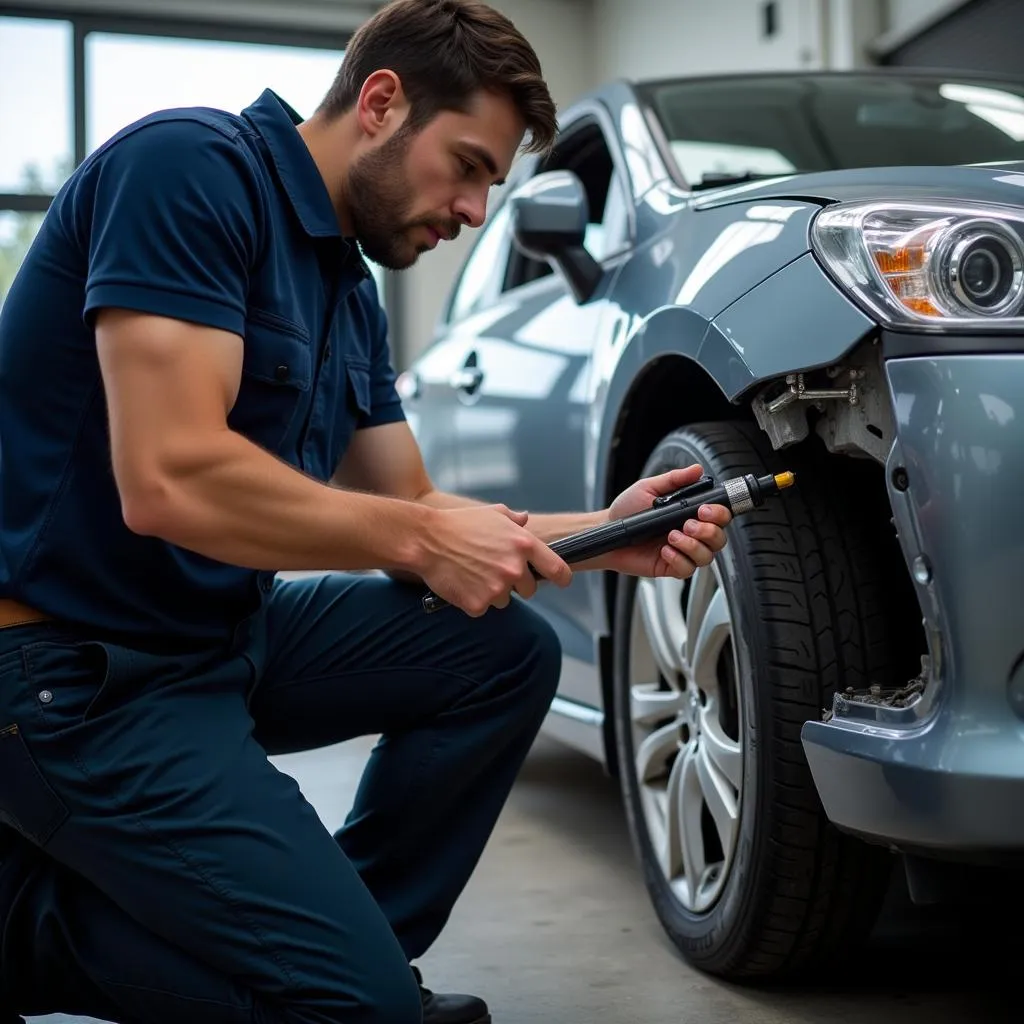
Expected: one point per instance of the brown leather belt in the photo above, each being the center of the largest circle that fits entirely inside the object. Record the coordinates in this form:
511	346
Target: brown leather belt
14	613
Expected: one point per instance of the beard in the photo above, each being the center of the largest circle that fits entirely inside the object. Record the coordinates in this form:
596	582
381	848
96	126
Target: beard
379	199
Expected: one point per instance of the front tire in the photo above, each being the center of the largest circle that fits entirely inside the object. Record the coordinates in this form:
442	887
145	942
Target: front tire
713	680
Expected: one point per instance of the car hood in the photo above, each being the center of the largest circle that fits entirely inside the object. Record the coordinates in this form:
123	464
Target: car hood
1001	183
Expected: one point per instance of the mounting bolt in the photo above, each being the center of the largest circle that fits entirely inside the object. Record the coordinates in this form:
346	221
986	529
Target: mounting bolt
922	570
900	479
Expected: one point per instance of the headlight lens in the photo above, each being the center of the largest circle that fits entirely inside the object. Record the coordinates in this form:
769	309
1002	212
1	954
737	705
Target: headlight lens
928	265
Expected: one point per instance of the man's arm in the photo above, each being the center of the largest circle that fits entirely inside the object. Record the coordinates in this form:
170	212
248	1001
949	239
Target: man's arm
185	477
387	460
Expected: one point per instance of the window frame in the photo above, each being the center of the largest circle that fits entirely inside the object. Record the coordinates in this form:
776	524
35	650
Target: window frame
167	27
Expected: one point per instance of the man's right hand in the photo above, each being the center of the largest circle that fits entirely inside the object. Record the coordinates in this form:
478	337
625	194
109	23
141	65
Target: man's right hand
477	556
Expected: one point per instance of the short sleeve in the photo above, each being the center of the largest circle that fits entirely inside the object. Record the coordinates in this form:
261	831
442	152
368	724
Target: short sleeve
173	225
385	403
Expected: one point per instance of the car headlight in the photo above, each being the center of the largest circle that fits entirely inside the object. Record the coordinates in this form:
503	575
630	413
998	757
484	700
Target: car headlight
931	266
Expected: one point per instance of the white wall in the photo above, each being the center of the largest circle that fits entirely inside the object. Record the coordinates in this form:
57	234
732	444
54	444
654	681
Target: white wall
652	38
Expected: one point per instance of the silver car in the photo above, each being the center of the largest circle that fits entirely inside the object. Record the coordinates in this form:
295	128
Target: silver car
821	273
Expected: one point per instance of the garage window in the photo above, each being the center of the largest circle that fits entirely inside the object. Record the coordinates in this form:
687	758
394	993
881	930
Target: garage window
68	83
36	129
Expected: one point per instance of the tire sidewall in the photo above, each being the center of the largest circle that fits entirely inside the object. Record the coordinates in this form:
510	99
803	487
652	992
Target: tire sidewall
714	938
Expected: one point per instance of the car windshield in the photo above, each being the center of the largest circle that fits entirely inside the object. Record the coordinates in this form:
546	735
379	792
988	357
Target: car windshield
746	127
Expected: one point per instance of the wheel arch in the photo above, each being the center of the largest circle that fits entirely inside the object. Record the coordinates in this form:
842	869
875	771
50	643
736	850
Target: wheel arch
681	368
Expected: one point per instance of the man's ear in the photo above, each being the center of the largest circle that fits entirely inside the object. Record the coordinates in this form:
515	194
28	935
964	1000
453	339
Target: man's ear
382	105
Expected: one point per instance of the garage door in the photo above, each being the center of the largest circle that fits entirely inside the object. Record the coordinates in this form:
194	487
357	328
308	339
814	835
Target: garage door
985	35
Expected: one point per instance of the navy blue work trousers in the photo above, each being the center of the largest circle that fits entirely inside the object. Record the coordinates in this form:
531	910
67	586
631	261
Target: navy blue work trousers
156	868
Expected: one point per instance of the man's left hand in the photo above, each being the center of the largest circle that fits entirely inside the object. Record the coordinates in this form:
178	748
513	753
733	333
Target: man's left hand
695	545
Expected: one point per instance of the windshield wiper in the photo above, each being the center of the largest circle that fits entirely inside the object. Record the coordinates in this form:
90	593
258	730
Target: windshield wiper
716	179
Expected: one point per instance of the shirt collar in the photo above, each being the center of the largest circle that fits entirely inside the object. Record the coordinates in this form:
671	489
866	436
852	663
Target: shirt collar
276	122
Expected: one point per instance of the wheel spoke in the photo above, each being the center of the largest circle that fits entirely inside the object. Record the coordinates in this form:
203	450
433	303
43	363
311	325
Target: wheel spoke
702	588
660	606
653	755
690	826
724	753
648	706
671	849
719	796
711	635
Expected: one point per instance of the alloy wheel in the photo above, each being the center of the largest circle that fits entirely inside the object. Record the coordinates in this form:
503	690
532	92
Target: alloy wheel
687	730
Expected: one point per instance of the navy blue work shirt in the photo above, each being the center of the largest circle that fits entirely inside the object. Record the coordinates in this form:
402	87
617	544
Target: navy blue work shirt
210	217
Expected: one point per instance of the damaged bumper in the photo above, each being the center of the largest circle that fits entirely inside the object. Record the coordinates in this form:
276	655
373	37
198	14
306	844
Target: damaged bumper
940	766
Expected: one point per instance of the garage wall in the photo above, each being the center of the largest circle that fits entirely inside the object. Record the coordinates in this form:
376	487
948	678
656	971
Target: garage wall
655	38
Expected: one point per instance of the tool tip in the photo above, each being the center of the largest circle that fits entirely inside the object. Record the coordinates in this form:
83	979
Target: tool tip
784	480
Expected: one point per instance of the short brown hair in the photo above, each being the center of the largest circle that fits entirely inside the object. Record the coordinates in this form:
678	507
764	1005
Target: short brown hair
445	51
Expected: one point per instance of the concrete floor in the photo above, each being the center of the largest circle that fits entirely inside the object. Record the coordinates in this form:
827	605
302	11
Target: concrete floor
555	927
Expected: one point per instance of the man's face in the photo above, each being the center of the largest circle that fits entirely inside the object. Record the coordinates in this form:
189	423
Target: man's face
415	189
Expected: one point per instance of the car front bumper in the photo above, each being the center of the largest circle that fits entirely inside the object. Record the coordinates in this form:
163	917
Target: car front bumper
947	774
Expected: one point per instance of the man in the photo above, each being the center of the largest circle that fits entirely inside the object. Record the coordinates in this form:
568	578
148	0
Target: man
192	348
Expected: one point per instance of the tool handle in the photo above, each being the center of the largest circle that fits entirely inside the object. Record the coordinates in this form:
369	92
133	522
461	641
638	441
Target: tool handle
666	514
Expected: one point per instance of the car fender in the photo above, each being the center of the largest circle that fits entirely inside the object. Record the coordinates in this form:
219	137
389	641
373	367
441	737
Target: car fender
636	346
669	291
794	321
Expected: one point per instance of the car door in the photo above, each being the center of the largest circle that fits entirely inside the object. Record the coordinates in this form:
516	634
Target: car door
523	378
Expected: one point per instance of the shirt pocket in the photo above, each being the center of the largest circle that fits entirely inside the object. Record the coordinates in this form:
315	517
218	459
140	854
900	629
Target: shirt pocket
359	394
348	403
277	372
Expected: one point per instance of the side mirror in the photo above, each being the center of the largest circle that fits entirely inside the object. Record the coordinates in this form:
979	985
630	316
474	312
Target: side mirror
549	222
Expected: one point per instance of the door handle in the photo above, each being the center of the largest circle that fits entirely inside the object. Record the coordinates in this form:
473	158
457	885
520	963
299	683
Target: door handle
468	378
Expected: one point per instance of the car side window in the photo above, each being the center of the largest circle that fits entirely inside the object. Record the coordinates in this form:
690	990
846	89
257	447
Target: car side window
606	234
585	152
483	269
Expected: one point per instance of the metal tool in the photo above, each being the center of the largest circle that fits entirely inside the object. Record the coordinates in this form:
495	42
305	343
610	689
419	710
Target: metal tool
739	494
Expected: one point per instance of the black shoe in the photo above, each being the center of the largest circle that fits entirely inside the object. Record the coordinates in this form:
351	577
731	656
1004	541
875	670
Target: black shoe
451	1008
